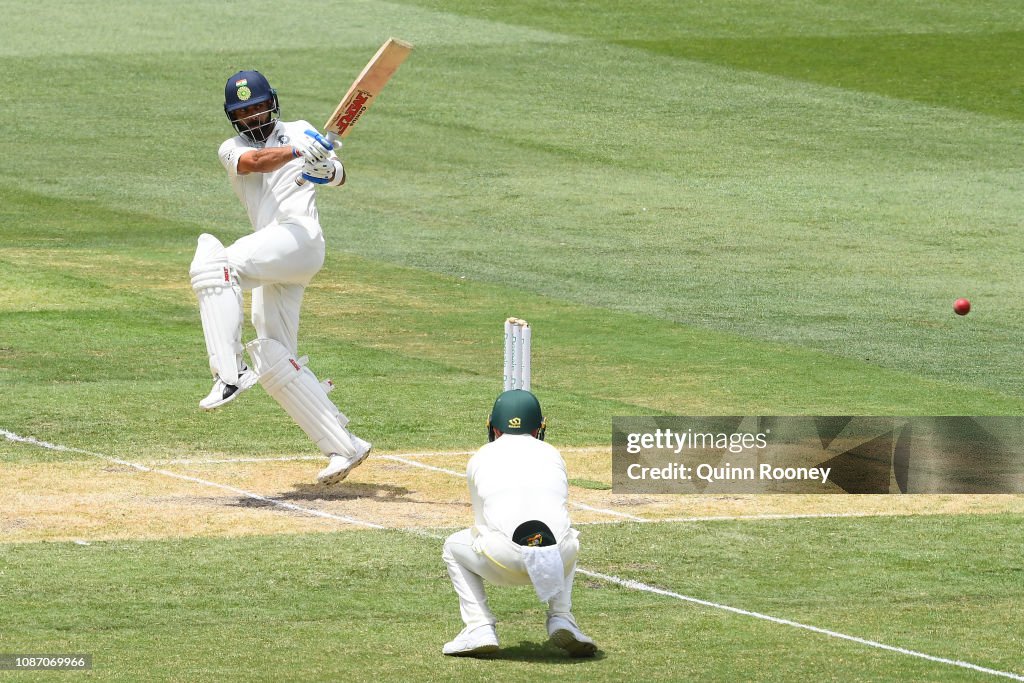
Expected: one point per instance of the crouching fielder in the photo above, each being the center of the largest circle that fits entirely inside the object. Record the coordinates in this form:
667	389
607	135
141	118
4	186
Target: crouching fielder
276	263
522	536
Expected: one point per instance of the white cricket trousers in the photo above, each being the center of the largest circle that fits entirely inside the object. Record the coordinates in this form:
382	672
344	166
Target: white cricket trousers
478	554
276	263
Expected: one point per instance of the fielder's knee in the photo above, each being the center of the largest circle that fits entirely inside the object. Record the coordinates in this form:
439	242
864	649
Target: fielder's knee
446	551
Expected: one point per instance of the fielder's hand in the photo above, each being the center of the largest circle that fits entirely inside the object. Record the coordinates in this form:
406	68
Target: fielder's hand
321	172
313	148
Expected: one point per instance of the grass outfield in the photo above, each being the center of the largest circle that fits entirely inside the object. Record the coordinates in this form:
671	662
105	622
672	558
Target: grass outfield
362	604
703	209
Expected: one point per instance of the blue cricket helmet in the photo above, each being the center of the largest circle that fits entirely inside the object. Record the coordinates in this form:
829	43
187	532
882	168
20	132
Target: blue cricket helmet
245	89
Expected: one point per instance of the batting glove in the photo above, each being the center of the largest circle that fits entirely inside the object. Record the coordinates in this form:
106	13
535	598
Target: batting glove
313	148
320	172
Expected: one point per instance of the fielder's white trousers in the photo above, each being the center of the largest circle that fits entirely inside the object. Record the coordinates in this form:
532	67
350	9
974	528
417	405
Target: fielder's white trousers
478	554
276	263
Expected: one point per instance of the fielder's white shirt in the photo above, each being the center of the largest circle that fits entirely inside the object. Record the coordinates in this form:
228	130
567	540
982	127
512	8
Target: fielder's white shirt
274	196
516	478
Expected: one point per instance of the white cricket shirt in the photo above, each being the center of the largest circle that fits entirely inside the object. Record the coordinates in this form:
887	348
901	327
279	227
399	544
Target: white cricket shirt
274	196
517	478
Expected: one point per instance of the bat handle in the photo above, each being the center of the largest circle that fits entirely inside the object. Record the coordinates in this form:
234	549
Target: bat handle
300	181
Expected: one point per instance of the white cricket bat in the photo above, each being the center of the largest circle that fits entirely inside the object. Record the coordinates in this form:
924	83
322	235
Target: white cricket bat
362	93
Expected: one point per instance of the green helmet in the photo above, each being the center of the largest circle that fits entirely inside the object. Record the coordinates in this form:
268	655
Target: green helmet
516	412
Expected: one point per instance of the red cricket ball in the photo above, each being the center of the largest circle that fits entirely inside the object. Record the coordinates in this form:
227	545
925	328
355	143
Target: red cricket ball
961	306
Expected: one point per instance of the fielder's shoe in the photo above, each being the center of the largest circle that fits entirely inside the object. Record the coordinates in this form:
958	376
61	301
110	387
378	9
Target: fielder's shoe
479	640
564	633
222	392
339	466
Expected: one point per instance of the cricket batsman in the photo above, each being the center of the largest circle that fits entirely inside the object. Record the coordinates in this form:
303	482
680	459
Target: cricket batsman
522	533
275	262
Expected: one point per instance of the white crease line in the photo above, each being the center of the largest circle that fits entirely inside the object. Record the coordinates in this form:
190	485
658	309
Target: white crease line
421	454
636	585
614	513
395	458
566	449
625	583
183	477
228	461
621	515
430	454
290	458
413	463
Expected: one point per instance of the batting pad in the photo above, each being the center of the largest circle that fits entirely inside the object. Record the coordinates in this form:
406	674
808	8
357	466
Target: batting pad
220	306
300	393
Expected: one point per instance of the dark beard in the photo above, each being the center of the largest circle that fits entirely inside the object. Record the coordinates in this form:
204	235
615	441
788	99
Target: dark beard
261	132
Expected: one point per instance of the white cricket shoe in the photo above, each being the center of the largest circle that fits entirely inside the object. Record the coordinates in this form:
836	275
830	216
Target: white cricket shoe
222	392
564	633
339	466
479	640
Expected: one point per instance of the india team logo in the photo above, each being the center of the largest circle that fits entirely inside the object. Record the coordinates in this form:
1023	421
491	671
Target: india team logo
244	93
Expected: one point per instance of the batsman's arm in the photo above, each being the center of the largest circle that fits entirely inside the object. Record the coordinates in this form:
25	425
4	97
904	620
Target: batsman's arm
265	160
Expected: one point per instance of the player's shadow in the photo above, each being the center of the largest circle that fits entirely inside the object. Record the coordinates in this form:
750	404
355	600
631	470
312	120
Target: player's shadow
343	491
526	651
346	491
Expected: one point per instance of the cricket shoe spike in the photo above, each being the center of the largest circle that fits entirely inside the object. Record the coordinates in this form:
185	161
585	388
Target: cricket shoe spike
340	466
565	634
222	392
480	640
